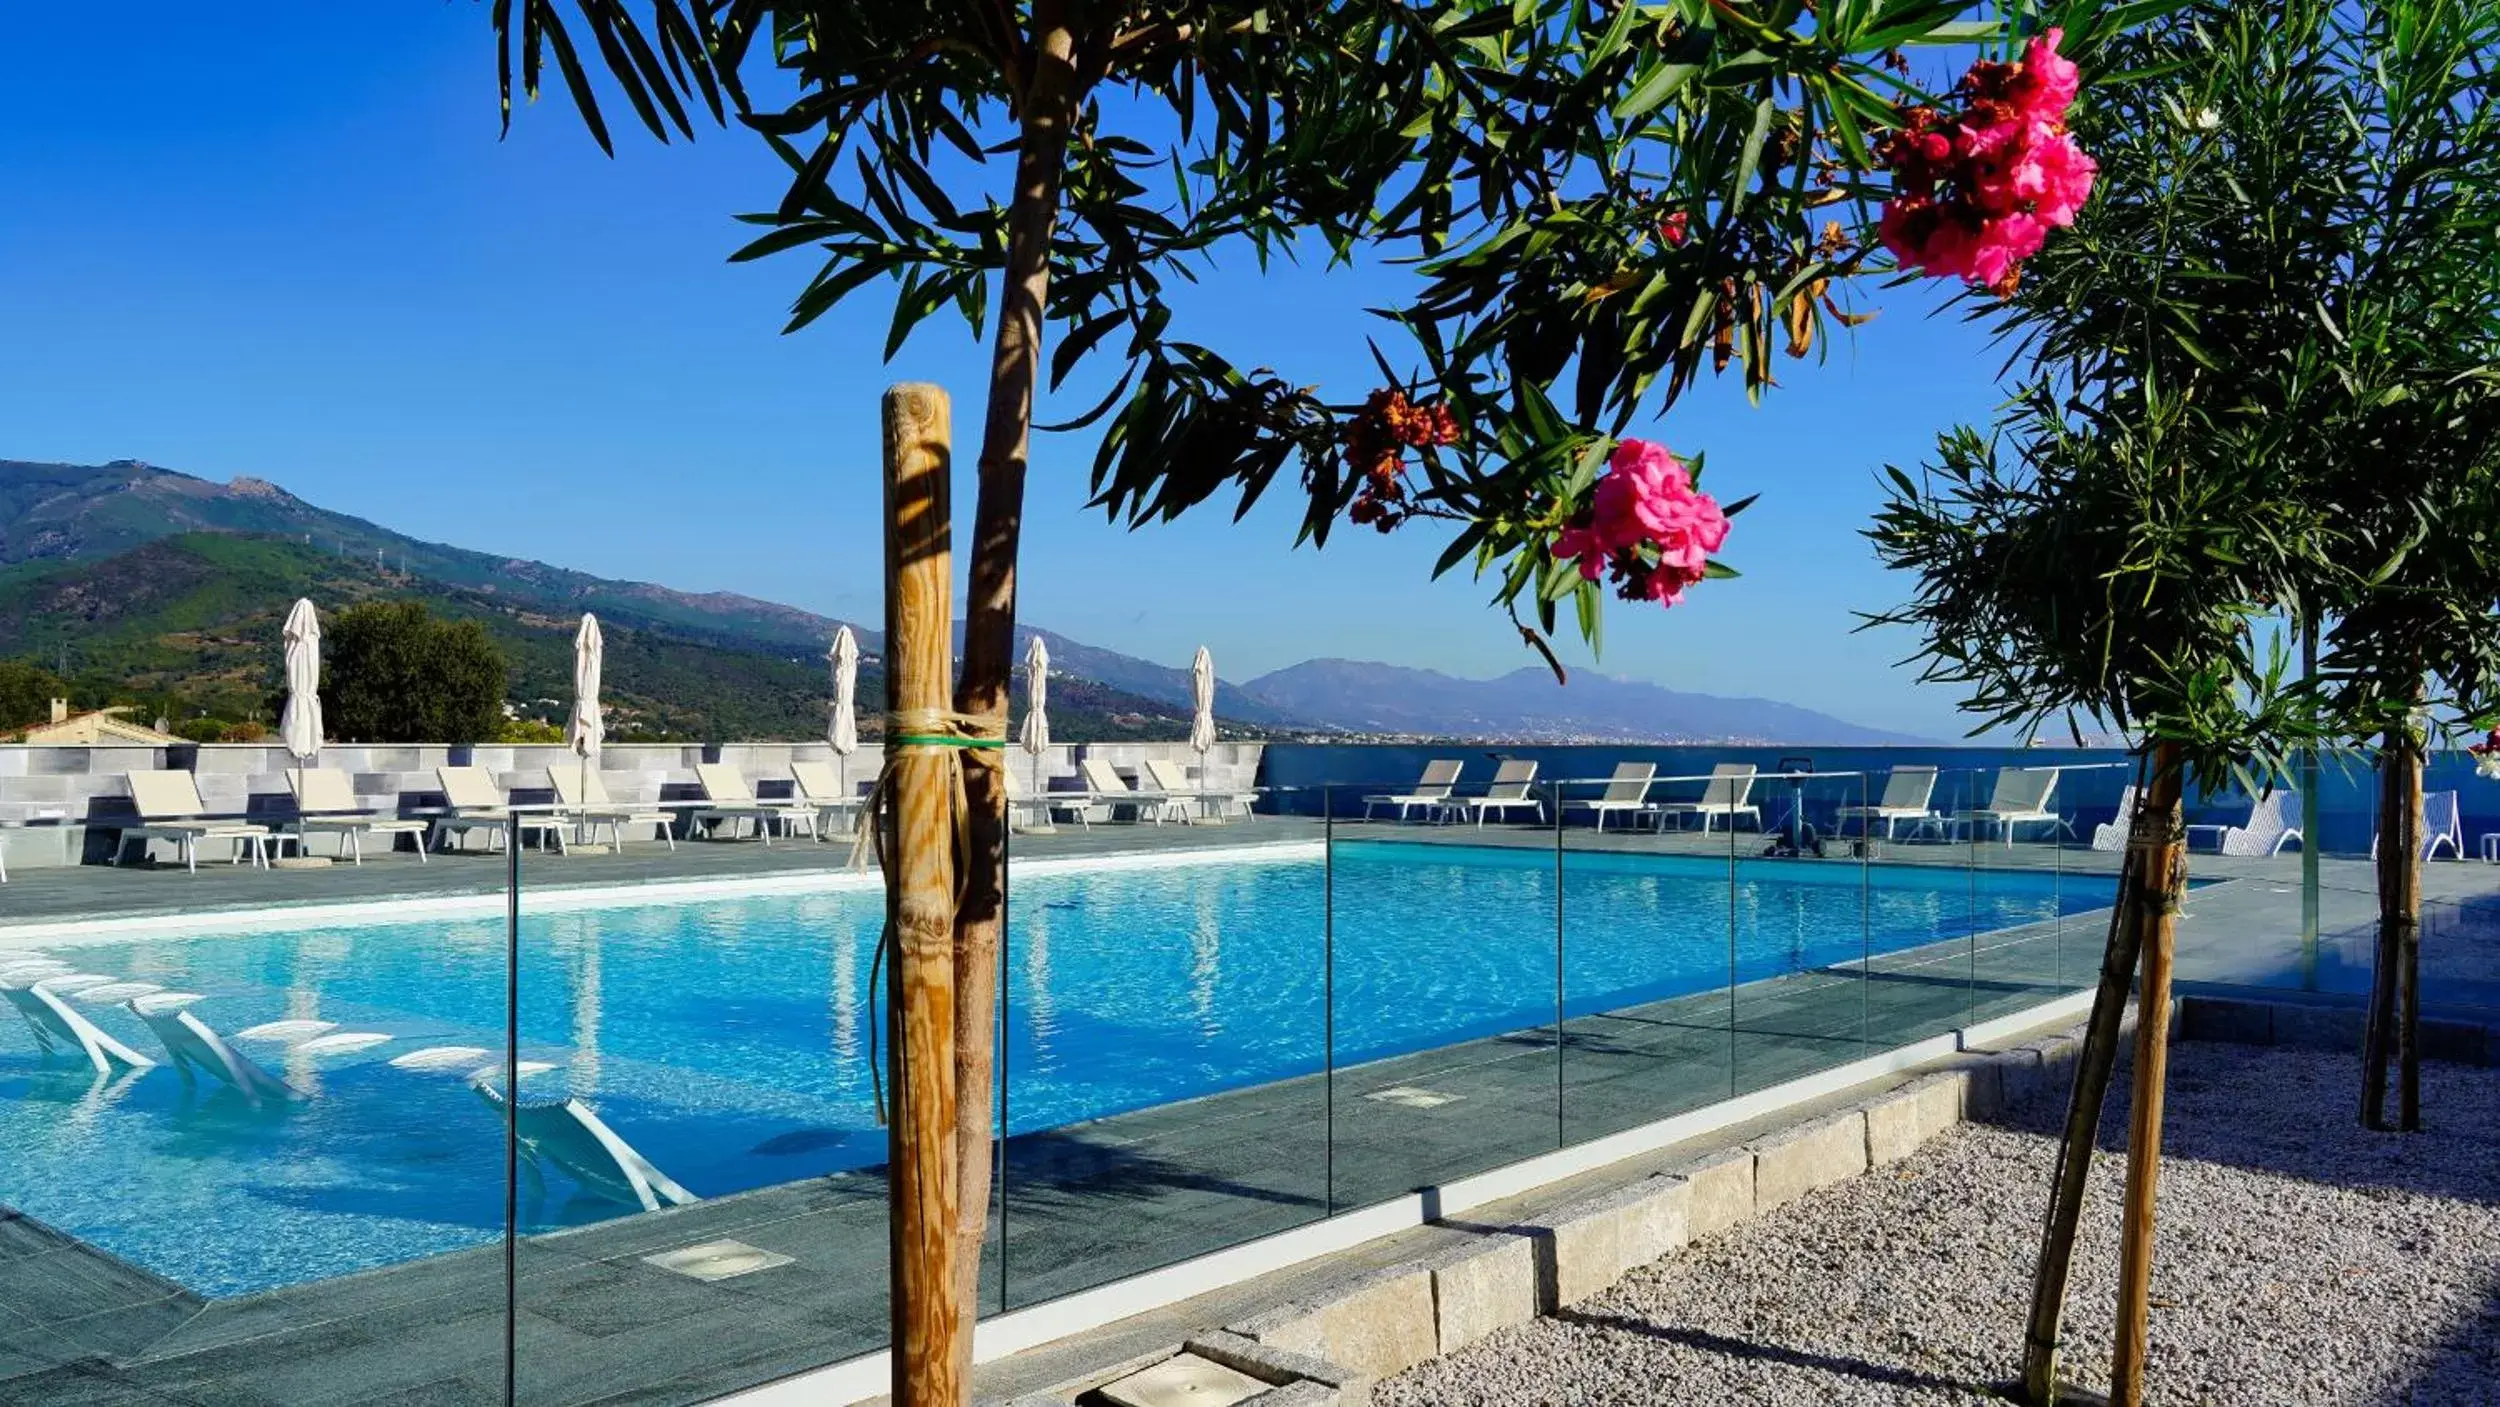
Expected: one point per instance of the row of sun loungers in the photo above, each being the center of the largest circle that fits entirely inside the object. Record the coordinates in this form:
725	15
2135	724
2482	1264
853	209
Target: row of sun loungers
170	808
560	1132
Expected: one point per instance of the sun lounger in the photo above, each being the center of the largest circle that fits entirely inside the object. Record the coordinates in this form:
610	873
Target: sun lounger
2442	824
2268	829
1514	784
1111	790
1907	791
2020	798
193	1046
478	804
1172	779
729	799
2113	836
566	1133
325	804
170	808
1723	798
1626	794
1431	793
58	1027
818	786
585	799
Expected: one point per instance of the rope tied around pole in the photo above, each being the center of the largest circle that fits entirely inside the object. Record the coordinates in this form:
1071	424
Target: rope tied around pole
951	734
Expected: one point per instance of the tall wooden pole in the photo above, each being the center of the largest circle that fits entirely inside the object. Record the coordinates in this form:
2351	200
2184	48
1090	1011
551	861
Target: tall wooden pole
2161	880
2093	1067
929	1348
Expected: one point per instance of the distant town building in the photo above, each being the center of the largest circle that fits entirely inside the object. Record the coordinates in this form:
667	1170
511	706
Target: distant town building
103	727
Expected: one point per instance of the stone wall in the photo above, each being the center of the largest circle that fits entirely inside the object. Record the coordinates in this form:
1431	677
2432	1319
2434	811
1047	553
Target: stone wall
61	805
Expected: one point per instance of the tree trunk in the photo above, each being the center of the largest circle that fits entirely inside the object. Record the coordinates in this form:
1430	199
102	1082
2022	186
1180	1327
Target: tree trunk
2152	876
2395	997
2083	1121
990	614
931	1352
2161	882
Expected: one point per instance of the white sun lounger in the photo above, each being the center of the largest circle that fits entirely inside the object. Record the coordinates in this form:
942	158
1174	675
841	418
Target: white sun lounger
1907	790
2020	798
57	1027
1626	793
2442	824
325	804
194	1046
1724	797
1514	784
585	799
818	786
727	797
2268	829
1111	790
478	804
1431	793
2113	836
566	1133
1214	803
170	808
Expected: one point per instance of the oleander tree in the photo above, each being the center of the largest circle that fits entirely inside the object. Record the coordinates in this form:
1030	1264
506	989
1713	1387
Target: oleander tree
2223	362
1598	201
2392	402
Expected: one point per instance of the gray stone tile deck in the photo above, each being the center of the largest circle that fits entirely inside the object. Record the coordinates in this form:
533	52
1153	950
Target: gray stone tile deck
1081	1204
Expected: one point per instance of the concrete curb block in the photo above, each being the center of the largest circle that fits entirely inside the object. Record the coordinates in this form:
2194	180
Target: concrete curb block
2315	1026
1384	1322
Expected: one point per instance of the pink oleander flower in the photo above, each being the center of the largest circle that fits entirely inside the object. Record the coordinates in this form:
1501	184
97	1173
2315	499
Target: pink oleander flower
1976	192
1645	504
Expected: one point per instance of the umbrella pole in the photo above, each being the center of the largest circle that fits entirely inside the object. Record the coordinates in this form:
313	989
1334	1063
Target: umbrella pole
931	1349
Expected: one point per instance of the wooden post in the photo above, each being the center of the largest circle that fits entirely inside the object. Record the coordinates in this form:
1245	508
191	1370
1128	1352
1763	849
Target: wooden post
2161	879
929	1348
2093	1067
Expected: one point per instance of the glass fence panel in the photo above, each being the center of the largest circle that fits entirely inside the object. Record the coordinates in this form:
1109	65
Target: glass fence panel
1921	894
1166	1037
1803	935
2025	894
1445	979
216	1184
1645	917
700	1171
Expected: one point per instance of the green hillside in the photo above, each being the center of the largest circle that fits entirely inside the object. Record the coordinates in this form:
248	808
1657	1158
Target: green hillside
189	624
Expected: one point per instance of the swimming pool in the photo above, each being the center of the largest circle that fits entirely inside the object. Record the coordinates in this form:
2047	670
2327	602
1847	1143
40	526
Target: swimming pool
727	1038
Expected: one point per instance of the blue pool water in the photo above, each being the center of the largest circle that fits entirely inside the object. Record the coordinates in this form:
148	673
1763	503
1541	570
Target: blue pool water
728	1039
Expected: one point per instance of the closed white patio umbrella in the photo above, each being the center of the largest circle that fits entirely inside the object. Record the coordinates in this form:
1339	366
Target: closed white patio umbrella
299	727
585	732
1035	737
842	732
1202	693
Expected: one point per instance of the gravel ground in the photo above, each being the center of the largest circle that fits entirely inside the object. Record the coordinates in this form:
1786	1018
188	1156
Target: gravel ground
2300	1260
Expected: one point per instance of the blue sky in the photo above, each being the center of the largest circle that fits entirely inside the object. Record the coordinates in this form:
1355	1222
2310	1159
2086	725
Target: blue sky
297	249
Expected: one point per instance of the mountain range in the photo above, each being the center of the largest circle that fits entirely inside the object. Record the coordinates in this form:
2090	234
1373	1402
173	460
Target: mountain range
175	585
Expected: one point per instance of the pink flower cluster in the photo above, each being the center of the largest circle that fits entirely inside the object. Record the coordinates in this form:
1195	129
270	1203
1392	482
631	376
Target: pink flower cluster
1646	503
1977	192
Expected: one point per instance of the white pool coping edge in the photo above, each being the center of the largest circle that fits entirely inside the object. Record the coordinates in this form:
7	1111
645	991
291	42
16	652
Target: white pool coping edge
566	898
1017	1330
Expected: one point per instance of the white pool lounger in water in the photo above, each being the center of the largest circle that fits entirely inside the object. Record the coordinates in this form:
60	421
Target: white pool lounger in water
56	1026
115	993
193	1045
566	1133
